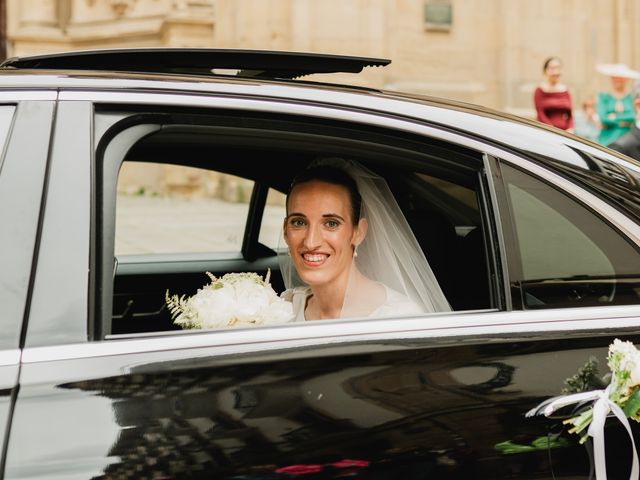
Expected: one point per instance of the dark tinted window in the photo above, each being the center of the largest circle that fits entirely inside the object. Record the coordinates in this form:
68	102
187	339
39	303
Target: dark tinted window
617	182
569	257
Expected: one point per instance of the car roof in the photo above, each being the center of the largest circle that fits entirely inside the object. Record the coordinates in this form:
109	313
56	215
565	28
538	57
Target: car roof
277	75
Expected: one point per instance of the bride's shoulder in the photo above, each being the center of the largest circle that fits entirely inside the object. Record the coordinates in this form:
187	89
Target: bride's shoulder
298	297
397	304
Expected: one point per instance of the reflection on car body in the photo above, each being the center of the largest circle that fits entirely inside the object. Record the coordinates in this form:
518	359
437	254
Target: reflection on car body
532	234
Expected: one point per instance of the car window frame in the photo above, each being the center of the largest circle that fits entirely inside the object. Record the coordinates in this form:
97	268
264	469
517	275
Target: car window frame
22	178
120	133
59	310
606	213
392	121
251	221
23	173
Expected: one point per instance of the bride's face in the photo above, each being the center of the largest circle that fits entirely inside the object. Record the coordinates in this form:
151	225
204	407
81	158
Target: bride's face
320	232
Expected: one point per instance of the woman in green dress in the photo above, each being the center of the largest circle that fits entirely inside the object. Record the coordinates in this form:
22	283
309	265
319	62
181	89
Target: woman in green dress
616	110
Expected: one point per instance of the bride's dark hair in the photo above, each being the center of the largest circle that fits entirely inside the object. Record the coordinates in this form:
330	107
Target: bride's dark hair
334	176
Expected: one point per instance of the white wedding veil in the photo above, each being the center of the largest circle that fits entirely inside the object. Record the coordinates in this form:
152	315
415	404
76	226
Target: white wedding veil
389	253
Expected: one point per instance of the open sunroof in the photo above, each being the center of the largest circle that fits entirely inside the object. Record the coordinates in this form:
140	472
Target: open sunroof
245	63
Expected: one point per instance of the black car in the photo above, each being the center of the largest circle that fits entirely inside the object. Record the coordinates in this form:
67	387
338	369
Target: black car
533	234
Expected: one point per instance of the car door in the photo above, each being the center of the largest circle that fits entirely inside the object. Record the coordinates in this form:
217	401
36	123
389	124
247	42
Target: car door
441	395
25	127
567	248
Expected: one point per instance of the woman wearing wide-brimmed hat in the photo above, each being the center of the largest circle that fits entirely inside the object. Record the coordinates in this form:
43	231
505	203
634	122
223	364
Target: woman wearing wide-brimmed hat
616	110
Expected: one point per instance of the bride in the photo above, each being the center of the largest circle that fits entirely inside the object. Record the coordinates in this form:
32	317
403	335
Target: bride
351	252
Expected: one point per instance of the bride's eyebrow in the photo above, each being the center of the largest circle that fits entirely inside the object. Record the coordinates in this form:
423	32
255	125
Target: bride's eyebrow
324	215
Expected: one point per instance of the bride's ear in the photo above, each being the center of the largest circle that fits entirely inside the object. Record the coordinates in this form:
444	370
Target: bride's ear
361	231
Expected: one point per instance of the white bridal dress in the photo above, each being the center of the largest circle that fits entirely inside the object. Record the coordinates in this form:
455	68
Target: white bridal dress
395	304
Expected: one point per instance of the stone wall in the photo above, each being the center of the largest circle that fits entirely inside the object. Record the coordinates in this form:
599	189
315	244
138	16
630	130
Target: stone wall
42	26
491	53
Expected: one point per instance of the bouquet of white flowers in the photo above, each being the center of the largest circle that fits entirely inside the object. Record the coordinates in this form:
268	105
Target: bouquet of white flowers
621	397
234	300
624	389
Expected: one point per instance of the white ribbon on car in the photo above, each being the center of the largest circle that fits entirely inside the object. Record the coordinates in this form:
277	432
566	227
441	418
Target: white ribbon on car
601	408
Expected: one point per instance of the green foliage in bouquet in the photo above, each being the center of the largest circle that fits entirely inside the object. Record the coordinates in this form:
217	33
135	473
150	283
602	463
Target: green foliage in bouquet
587	378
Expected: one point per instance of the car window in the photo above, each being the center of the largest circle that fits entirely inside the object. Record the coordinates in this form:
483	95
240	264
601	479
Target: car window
617	182
166	208
459	201
220	207
569	257
444	213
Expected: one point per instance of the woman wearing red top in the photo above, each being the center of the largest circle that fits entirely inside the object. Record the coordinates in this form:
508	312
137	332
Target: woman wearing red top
552	99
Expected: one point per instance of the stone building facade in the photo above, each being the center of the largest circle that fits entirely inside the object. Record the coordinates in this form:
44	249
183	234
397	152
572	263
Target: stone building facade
488	52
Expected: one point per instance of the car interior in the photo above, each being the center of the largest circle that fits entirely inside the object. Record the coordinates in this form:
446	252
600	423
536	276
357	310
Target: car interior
437	185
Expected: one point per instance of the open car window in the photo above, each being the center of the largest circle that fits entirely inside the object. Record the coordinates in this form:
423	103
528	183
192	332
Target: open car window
221	183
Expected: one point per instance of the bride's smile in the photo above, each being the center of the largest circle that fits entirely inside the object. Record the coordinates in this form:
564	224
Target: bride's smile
314	259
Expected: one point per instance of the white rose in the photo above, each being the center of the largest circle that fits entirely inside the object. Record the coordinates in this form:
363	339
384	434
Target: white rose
624	357
635	375
217	307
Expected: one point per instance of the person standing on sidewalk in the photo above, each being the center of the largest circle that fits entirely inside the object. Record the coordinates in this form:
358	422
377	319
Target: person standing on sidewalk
585	120
615	109
552	99
629	143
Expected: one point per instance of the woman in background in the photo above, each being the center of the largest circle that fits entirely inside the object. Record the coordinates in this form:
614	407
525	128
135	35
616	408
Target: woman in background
586	120
552	99
615	109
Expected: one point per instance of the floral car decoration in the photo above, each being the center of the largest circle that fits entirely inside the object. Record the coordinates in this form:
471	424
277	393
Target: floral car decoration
620	398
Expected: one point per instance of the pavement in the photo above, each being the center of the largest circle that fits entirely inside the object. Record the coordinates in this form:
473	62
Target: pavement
155	224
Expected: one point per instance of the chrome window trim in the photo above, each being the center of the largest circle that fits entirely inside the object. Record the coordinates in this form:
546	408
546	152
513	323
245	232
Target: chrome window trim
13	96
469	326
9	357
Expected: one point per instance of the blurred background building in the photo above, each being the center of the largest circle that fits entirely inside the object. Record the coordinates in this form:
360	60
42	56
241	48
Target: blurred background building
488	52
481	51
